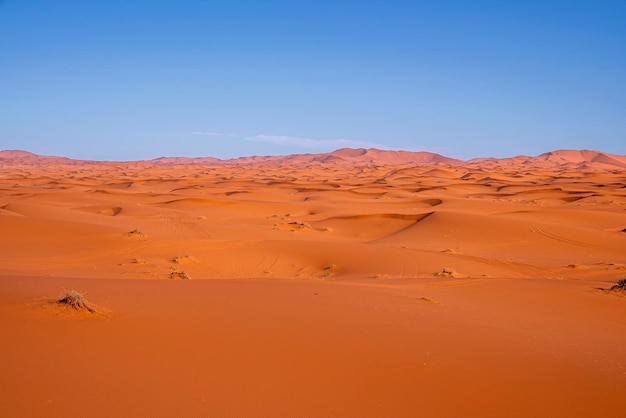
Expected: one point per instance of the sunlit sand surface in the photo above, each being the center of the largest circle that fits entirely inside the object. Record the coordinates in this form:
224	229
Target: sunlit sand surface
340	285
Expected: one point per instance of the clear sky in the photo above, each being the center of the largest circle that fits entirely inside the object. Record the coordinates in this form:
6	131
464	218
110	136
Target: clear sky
126	80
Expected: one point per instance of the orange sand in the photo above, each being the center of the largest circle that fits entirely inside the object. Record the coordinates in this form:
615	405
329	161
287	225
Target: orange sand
319	286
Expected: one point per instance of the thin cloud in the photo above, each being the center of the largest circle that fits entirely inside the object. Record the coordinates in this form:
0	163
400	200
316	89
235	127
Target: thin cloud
212	134
298	142
294	141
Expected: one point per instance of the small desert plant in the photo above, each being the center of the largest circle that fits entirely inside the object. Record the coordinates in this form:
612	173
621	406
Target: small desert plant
300	225
446	272
184	259
620	285
179	275
75	300
329	270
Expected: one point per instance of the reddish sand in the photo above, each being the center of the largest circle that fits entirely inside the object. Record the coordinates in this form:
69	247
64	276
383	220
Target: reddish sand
353	284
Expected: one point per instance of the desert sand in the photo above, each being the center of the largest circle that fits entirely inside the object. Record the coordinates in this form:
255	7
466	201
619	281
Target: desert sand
360	283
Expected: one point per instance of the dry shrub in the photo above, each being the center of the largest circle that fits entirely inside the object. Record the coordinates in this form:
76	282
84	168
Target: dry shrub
75	300
300	225
447	272
184	259
179	275
619	286
136	233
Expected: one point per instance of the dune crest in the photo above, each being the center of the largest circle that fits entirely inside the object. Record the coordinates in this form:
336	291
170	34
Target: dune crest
587	159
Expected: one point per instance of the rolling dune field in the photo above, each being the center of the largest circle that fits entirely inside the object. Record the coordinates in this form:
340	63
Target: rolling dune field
360	283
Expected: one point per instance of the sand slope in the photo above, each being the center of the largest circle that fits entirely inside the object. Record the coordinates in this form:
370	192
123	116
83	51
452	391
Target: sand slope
356	283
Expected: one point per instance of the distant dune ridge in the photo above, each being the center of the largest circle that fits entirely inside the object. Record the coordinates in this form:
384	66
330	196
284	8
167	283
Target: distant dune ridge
572	159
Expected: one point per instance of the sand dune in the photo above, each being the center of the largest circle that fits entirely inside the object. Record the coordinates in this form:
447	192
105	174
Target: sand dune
572	159
355	283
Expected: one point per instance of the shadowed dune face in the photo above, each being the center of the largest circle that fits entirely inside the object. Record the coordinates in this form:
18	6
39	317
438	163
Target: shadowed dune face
347	290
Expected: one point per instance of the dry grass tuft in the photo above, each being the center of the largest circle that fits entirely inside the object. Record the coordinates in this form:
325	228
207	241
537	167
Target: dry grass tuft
136	233
300	225
329	271
179	275
447	272
184	259
620	286
75	300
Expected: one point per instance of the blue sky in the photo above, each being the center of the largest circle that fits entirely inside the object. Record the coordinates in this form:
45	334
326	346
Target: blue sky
126	80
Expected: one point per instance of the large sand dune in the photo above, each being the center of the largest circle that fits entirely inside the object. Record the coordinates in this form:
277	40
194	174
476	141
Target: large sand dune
356	283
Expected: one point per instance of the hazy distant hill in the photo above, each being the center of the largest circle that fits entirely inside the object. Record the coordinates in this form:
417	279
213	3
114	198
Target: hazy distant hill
25	157
566	159
571	159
